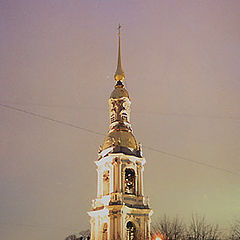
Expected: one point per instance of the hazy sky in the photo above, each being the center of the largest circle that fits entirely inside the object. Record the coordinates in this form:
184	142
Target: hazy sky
57	59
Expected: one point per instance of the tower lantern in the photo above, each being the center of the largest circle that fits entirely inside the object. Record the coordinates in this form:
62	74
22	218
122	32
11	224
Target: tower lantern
120	210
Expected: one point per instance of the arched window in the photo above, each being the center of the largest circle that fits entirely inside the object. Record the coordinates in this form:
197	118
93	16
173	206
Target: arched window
106	183
113	118
131	231
124	116
129	181
105	231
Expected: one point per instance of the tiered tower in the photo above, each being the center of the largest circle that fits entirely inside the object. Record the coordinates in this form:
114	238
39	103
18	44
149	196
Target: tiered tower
120	211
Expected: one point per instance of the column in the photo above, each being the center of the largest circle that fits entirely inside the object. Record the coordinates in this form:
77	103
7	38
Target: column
140	175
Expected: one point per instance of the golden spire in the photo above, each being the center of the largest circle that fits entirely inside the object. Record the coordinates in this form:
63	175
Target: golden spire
119	74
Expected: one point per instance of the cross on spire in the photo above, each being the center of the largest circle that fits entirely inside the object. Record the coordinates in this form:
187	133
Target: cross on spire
119	29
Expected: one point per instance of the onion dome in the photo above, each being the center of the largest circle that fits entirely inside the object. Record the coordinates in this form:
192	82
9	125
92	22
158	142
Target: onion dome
120	138
119	91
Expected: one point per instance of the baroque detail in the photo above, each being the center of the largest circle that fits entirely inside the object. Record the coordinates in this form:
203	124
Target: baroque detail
120	209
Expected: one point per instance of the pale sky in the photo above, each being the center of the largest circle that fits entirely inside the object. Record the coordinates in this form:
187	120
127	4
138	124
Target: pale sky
58	57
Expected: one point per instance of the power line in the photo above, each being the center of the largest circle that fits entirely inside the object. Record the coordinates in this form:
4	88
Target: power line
192	161
50	119
143	112
23	104
101	134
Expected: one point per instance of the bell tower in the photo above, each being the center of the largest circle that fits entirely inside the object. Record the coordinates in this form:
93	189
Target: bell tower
120	210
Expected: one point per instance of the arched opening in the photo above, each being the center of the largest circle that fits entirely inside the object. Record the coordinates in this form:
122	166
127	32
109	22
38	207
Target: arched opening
131	231
124	116
105	232
129	181
106	183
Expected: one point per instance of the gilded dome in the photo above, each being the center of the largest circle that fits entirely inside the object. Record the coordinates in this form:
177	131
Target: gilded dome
120	138
119	92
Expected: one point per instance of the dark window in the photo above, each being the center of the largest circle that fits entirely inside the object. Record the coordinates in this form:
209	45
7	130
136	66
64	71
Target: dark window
131	231
105	233
124	116
112	118
106	183
129	181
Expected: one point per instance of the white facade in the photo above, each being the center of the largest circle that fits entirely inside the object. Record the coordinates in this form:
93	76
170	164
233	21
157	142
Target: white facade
113	209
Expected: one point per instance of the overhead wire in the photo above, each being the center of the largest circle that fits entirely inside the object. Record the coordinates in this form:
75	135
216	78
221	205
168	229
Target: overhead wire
139	111
101	134
49	119
191	160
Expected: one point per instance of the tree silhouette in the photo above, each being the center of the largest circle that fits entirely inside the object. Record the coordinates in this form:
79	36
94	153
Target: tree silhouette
235	230
170	229
199	229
